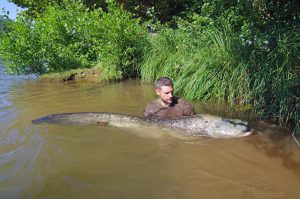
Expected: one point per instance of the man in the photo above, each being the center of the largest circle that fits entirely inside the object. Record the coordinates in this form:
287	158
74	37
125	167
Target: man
167	105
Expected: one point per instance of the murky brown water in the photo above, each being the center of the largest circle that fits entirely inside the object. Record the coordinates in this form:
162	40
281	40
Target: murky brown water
53	161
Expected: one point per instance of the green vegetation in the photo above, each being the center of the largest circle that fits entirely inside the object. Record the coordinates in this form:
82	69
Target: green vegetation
243	52
204	67
213	66
3	24
70	36
162	10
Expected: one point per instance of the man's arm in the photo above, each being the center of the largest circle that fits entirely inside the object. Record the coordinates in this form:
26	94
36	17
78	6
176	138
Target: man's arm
147	112
188	109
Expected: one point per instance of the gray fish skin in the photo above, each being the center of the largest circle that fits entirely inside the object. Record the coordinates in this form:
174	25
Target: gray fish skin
196	125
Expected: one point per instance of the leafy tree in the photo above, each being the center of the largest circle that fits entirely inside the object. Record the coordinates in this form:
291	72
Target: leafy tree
161	10
3	24
72	36
35	8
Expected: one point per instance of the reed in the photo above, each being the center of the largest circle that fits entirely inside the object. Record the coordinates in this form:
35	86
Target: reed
276	83
215	66
203	67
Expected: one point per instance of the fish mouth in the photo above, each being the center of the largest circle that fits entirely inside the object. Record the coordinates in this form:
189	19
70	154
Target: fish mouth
246	133
248	129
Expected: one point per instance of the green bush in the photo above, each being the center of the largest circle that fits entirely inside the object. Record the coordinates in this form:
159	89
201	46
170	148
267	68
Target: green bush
70	36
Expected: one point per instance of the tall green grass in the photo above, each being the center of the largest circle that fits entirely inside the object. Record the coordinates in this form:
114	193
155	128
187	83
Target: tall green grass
276	79
214	65
204	67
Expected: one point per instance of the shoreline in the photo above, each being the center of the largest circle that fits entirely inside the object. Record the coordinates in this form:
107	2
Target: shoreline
81	74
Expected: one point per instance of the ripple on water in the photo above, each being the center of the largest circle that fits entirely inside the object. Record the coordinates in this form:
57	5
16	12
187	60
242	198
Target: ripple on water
19	151
40	161
19	145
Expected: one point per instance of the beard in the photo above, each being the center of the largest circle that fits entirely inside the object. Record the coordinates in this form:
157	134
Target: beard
167	101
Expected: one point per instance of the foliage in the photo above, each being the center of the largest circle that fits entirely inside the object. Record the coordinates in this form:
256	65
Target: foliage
204	67
162	10
35	8
73	36
3	24
157	10
243	52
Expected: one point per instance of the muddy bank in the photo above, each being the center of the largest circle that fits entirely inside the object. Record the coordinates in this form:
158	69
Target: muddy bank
85	74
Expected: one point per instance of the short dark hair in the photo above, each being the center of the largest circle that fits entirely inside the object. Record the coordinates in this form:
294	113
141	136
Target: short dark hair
163	81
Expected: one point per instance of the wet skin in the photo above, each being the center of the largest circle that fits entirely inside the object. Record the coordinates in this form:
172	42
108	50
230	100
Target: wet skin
165	94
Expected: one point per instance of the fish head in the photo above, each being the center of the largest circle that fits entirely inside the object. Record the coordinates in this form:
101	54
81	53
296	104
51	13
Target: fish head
229	128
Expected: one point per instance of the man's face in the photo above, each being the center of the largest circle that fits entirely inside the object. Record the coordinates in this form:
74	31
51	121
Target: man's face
166	94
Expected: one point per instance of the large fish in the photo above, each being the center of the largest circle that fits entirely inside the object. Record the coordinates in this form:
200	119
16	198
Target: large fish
196	125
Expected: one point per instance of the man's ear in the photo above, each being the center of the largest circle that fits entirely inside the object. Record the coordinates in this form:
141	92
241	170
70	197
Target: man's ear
157	91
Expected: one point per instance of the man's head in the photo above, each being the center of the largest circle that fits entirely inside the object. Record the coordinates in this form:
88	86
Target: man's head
164	89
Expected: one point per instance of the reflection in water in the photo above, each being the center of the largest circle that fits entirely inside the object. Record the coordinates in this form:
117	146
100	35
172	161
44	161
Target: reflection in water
19	152
277	143
53	161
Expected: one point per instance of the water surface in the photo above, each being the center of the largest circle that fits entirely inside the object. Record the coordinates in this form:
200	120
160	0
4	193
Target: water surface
54	161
